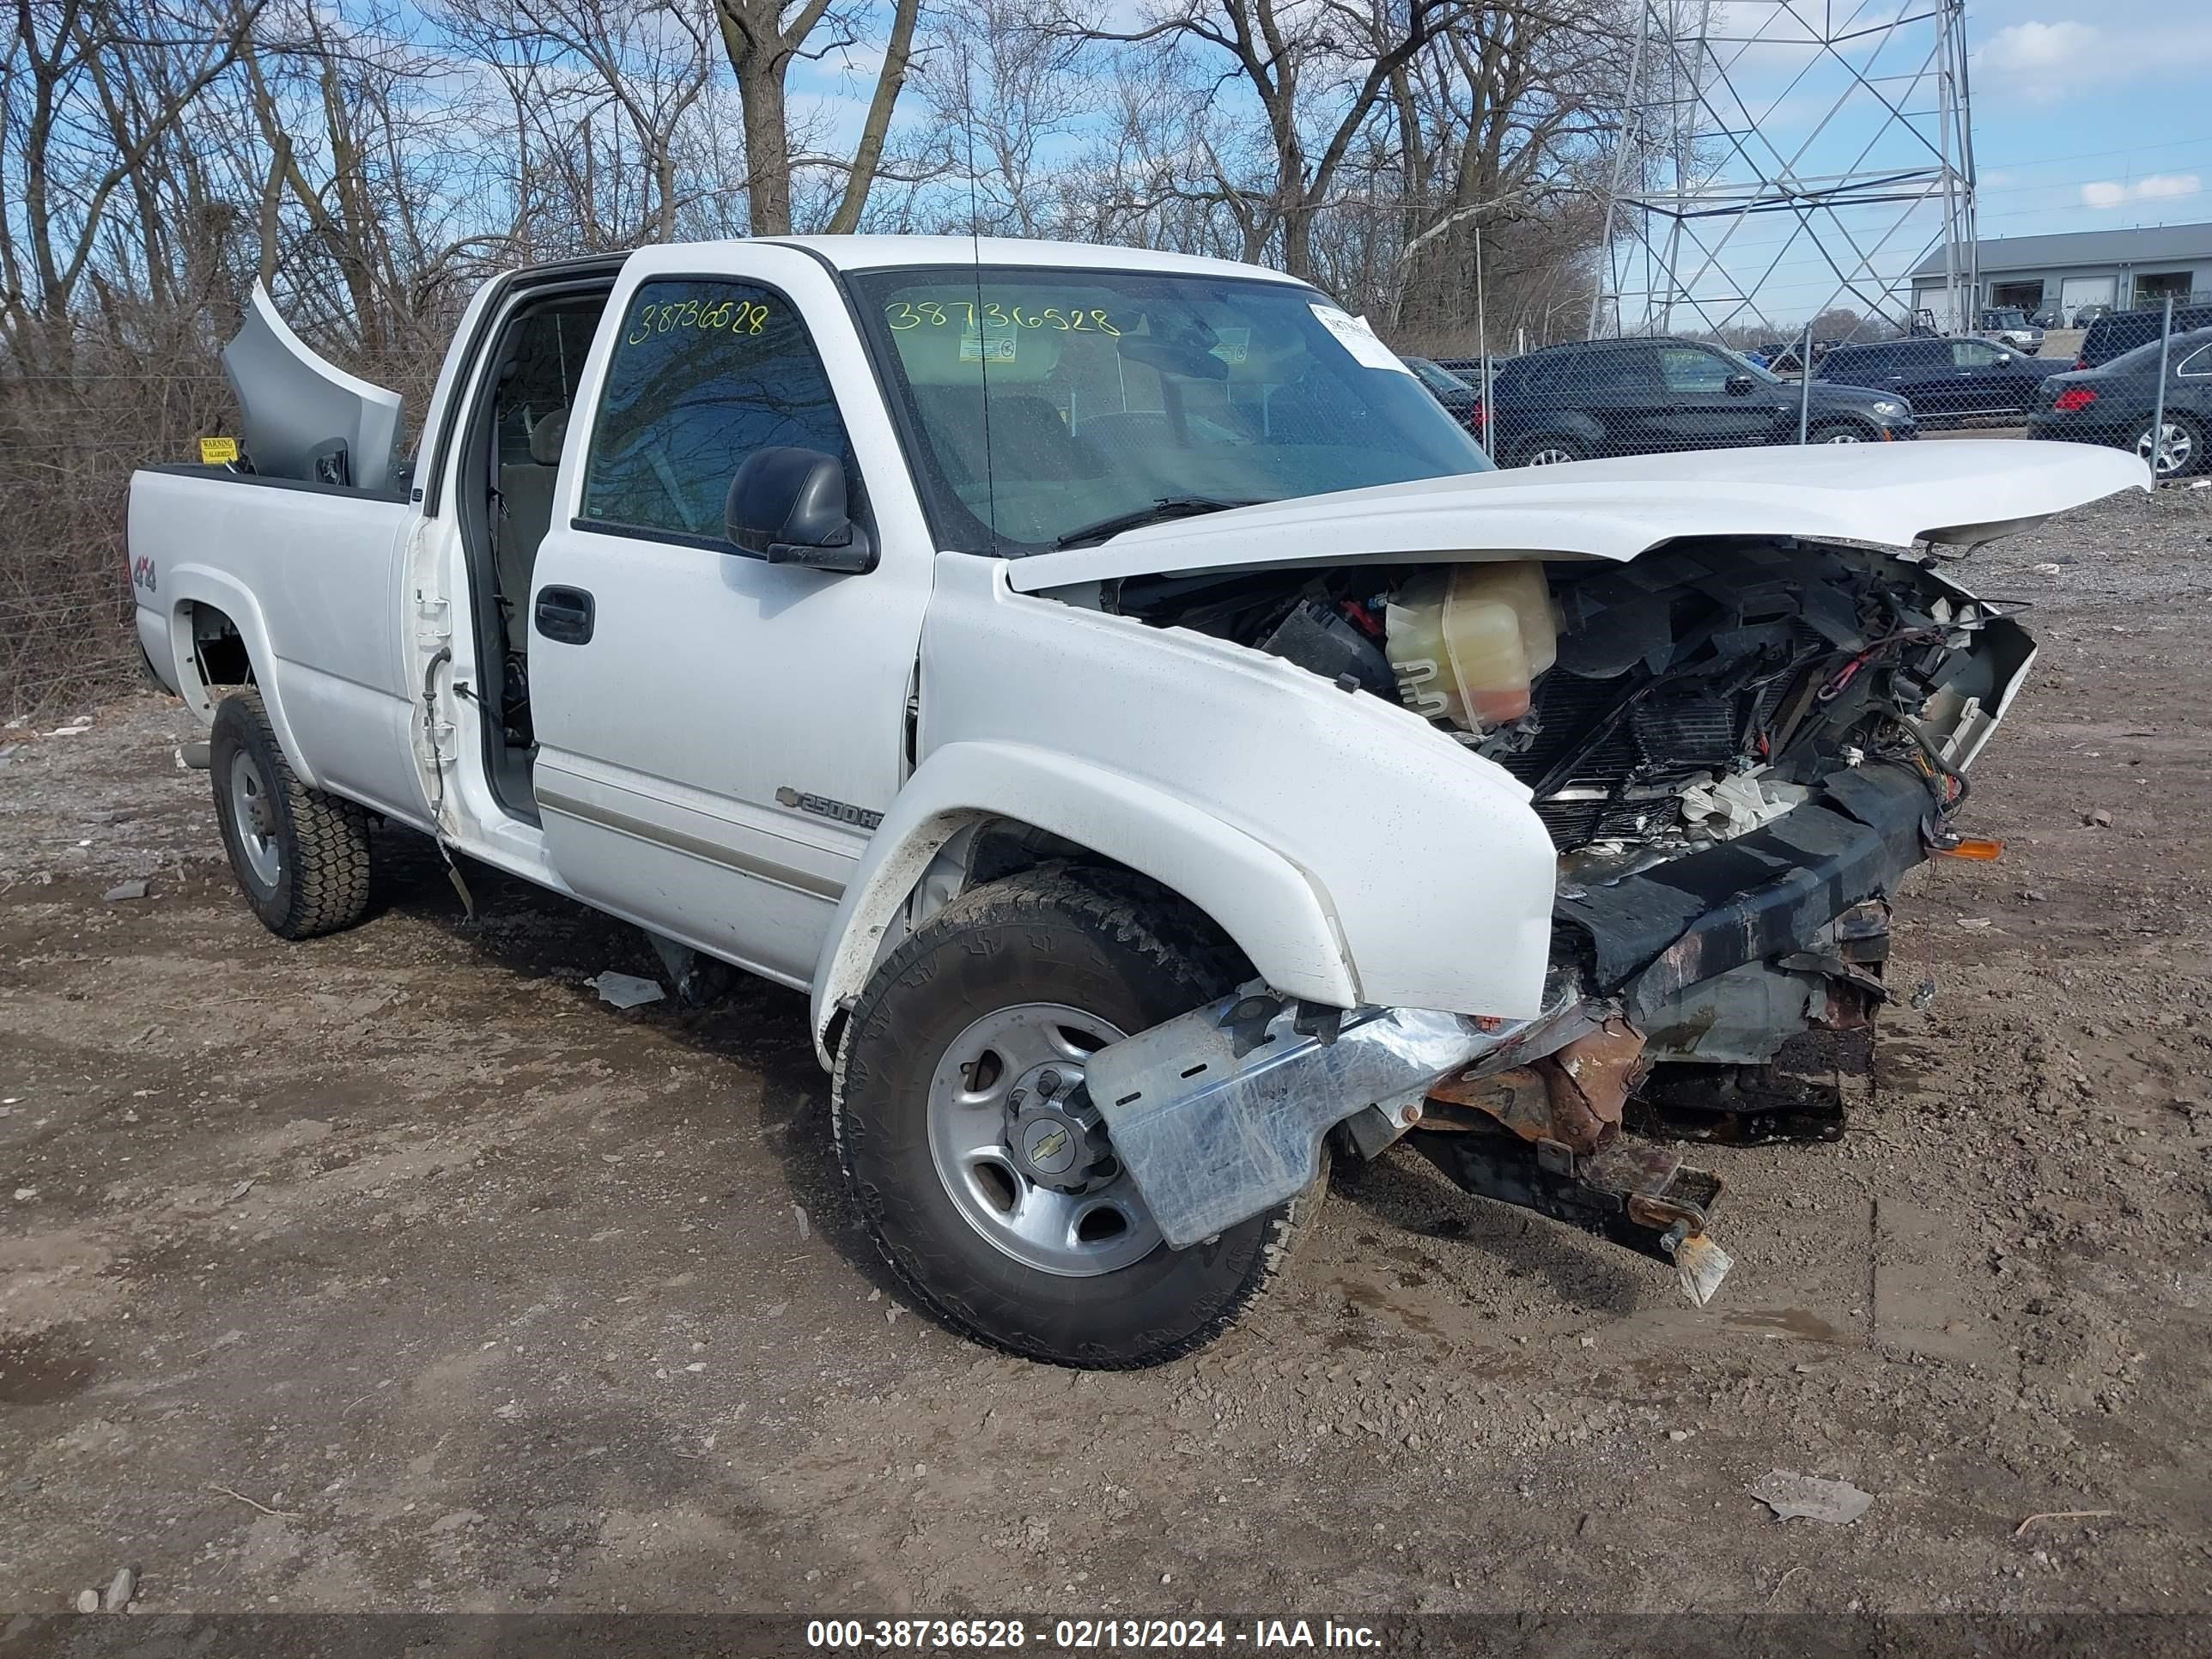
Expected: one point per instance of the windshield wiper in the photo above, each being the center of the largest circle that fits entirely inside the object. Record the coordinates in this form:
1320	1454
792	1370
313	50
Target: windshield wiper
1161	511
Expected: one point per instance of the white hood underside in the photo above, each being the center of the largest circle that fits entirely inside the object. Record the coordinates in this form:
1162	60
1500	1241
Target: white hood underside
1959	493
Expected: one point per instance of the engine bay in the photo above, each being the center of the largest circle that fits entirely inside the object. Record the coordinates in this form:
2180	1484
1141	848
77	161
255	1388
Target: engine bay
1653	707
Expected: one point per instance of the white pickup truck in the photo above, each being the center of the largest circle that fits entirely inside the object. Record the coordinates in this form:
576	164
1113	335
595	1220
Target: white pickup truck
1164	747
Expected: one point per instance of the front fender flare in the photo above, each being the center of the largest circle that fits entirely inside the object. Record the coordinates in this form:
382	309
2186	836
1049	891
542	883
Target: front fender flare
1276	912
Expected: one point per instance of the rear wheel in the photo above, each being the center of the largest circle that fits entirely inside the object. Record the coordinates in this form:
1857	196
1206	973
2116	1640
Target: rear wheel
984	1174
300	856
2180	449
1550	452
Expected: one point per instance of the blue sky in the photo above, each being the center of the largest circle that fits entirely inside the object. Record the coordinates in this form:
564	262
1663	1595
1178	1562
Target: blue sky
2092	115
2086	114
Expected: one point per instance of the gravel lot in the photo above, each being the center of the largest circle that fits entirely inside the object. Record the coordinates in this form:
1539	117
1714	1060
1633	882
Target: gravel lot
395	1271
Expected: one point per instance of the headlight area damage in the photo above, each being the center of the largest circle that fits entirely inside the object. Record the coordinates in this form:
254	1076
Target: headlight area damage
1738	748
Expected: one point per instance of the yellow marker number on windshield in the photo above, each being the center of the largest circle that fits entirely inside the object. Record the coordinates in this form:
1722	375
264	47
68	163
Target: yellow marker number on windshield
674	316
902	314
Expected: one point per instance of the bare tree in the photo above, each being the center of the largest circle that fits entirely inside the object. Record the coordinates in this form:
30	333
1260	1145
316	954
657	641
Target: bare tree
1317	70
762	38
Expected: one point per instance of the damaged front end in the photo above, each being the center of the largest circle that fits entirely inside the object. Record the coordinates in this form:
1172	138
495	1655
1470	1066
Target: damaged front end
1738	748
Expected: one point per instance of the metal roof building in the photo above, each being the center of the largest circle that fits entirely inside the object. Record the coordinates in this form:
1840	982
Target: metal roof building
2063	272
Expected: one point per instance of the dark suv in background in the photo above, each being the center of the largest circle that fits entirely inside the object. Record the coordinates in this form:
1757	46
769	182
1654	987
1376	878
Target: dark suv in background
1947	381
2123	330
1642	396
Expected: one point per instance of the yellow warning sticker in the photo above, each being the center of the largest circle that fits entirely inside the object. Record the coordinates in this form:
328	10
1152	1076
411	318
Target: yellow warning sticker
218	451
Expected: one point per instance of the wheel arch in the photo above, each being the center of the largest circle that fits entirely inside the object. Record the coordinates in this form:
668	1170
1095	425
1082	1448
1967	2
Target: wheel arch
979	811
218	638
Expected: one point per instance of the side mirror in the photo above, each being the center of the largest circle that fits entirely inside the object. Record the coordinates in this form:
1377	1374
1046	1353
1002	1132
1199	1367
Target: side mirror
1740	385
787	506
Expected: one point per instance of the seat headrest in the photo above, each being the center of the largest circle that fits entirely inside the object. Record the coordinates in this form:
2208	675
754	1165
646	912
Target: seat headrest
546	436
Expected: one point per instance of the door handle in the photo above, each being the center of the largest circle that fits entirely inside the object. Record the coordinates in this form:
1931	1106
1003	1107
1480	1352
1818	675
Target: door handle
565	613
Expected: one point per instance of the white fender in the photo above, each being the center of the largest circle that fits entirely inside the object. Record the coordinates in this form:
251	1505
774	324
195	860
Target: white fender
1266	903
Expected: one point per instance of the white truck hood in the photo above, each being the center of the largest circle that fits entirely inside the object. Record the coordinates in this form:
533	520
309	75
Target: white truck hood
1961	492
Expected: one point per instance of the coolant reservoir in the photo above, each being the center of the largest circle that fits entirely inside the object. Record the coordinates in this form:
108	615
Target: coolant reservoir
1465	644
1520	583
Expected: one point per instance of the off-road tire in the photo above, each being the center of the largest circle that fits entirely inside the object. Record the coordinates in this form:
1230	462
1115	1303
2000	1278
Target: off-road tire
321	842
1097	940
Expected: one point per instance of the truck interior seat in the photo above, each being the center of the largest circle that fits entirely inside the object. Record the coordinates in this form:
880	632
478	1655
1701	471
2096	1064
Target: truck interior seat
1029	442
525	489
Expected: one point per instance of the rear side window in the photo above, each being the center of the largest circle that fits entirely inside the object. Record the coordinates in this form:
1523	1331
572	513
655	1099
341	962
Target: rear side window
703	373
1842	365
1627	368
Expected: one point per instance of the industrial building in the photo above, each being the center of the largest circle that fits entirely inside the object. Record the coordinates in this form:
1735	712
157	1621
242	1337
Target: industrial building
2123	269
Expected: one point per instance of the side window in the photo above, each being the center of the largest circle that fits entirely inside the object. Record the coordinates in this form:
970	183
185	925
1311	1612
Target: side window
1973	354
1686	368
1618	370
2199	362
703	373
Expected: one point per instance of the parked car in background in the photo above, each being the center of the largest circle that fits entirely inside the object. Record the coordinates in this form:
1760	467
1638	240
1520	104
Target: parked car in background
2120	332
1458	395
2115	404
1947	381
1641	396
2085	315
2010	325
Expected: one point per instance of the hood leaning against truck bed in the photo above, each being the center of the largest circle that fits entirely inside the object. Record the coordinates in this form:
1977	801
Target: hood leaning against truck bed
1959	493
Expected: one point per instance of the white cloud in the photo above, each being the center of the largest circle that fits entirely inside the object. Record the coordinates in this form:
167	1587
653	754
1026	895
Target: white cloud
2106	193
2038	49
2131	41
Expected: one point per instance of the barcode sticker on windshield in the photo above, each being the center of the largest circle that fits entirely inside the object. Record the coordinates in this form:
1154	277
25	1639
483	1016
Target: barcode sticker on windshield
1356	338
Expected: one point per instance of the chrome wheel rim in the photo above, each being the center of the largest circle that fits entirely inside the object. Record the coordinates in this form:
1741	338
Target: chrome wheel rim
1029	1170
2176	446
251	811
1551	455
1842	435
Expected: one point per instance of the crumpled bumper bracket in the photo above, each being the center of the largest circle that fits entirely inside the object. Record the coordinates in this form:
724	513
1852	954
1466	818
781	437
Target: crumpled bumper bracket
1631	1192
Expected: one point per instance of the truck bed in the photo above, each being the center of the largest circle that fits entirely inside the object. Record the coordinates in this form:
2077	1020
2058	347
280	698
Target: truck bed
309	576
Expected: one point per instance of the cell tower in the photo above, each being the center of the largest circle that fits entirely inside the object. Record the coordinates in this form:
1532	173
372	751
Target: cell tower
1843	124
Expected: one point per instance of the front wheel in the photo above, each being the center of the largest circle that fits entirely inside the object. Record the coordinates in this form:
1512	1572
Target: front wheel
984	1174
2180	449
1841	433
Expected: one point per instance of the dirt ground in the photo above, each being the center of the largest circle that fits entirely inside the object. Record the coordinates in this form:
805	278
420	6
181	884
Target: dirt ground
395	1271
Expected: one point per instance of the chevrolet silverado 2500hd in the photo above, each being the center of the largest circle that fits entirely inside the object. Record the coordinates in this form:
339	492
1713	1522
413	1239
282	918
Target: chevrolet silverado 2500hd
1167	751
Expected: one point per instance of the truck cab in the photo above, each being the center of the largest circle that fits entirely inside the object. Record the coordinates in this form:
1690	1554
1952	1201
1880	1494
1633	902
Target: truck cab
1164	748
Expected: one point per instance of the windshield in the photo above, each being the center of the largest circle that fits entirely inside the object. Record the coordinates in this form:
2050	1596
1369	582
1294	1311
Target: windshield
1040	402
